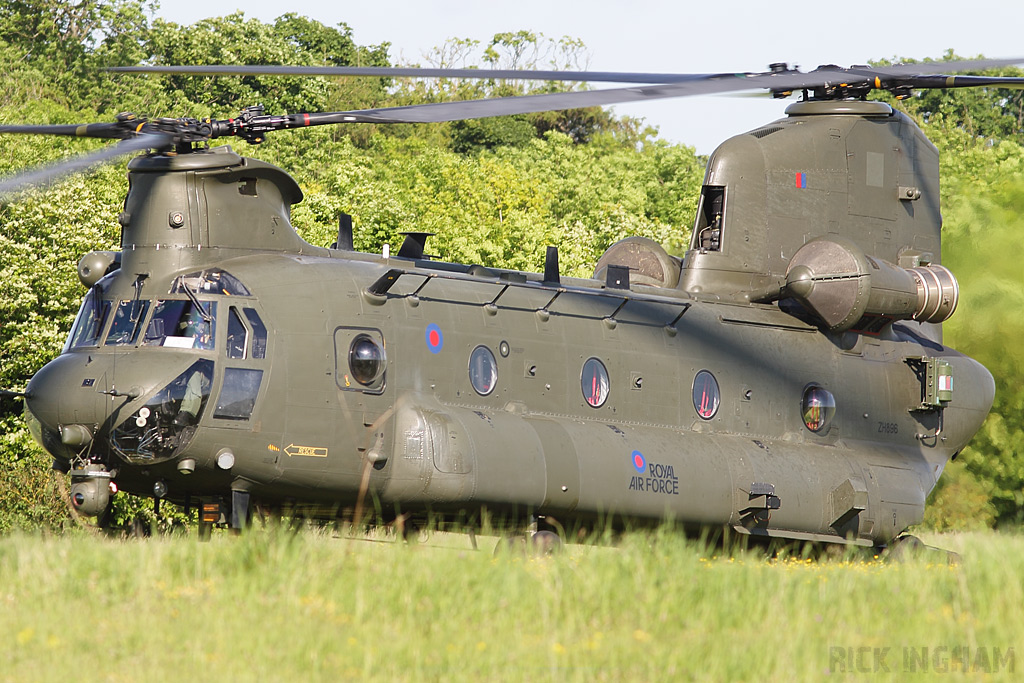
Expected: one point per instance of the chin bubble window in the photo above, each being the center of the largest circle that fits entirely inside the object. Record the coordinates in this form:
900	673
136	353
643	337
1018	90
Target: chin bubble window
595	382
706	395
483	370
818	407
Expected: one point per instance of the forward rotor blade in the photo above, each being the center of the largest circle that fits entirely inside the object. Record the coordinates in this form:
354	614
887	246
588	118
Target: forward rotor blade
47	174
398	72
86	130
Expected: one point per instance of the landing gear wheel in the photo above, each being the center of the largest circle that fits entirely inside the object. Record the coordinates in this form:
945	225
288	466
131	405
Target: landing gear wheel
544	543
511	546
410	532
904	547
140	528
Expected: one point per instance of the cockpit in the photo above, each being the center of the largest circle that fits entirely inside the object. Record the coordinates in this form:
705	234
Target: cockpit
181	322
205	324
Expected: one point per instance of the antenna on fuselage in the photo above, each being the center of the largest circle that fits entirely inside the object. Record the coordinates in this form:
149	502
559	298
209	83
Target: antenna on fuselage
551	274
415	245
344	242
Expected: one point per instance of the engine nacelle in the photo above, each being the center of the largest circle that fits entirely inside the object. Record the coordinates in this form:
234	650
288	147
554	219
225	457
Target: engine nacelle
841	285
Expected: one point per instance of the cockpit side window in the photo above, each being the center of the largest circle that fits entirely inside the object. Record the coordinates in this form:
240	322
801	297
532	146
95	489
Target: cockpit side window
259	333
89	322
181	324
237	334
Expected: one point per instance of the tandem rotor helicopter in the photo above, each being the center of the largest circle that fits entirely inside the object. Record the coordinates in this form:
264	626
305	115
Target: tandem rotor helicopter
785	378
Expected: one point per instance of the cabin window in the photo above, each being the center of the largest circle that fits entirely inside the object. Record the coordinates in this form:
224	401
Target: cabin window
707	234
181	324
89	322
237	334
127	322
360	359
366	360
818	407
595	383
259	333
238	394
483	370
706	396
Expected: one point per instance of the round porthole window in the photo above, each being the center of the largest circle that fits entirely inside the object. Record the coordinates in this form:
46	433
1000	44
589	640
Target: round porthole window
366	359
817	408
595	382
706	395
483	370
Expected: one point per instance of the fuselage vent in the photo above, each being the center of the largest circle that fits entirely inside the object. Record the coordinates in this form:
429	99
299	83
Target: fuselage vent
765	132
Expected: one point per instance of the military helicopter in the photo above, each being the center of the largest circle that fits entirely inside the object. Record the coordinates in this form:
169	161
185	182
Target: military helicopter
784	379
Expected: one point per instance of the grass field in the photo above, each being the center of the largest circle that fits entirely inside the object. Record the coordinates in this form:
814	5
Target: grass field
276	606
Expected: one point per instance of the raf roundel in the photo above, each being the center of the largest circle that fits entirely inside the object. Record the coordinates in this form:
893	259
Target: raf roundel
638	461
435	340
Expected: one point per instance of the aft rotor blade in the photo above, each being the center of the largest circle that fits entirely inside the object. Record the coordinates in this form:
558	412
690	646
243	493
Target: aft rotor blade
524	74
527	104
944	81
503	106
693	85
253	125
47	174
925	68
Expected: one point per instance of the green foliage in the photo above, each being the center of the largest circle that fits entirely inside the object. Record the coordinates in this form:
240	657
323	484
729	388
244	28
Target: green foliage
67	43
31	495
498	208
43	236
291	40
960	502
475	135
518	50
66	36
978	134
982	217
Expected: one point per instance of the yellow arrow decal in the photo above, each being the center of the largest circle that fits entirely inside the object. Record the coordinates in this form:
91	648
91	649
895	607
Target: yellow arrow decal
306	451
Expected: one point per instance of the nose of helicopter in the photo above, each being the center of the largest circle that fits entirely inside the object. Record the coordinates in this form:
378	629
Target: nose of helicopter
64	402
76	402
